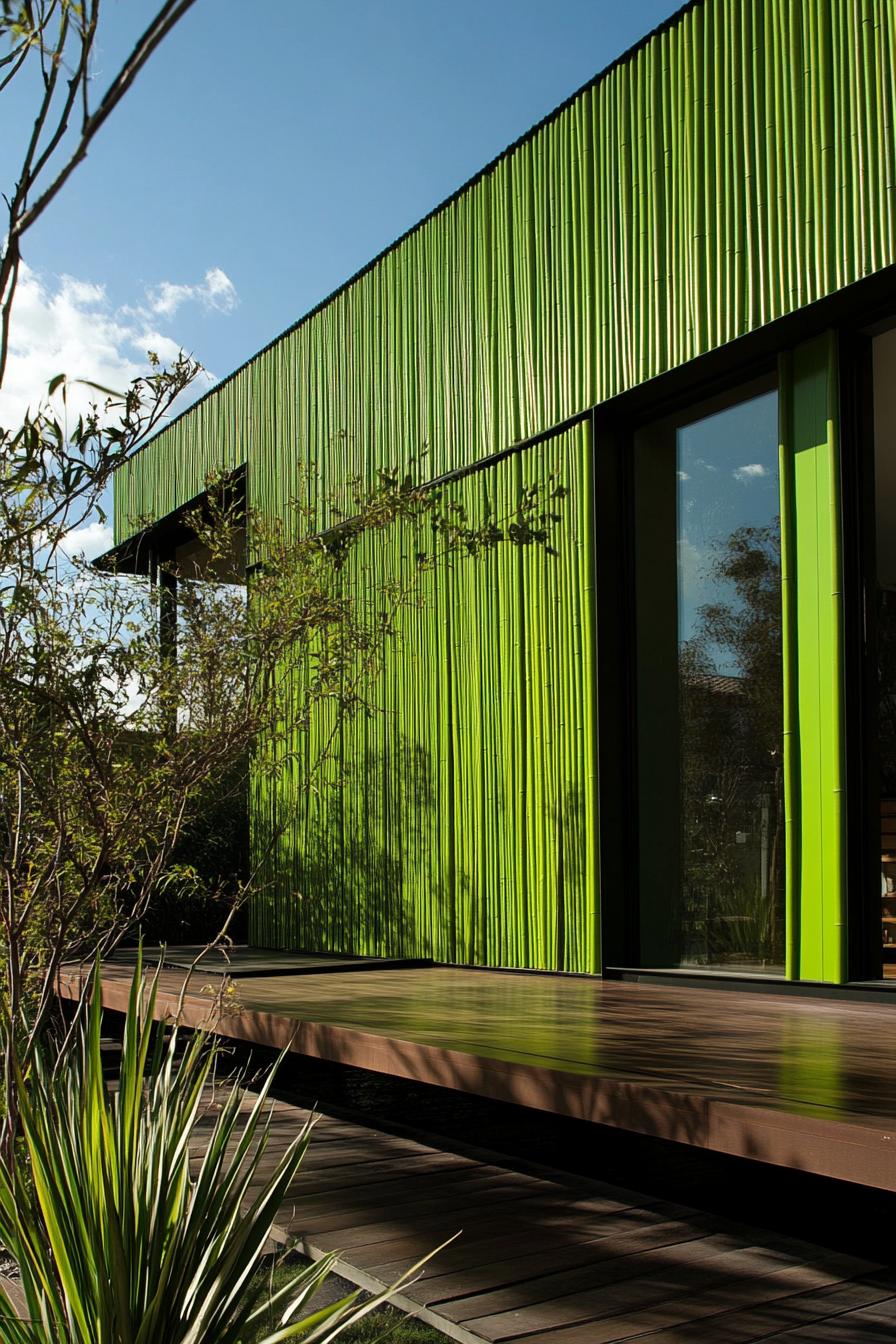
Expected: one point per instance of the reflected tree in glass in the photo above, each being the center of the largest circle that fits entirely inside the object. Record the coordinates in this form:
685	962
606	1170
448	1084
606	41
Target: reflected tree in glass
732	806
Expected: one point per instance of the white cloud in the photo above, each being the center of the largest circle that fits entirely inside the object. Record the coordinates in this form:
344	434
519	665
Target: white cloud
684	475
165	347
89	540
216	291
68	325
752	471
63	327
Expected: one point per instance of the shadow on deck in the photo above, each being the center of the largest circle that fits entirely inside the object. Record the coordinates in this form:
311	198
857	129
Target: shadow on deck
549	1258
808	1084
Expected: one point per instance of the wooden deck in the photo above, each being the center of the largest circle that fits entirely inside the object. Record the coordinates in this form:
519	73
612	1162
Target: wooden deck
552	1259
798	1082
244	962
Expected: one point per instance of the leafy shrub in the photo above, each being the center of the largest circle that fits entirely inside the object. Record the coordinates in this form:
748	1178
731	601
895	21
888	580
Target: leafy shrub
115	1240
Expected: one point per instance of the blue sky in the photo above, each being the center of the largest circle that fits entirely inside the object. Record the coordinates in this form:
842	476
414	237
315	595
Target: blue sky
265	154
727	479
287	143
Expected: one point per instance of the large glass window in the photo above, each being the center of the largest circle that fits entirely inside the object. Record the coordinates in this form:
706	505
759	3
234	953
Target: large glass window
710	701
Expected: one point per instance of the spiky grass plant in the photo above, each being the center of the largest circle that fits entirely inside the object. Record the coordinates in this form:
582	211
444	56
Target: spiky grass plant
116	1240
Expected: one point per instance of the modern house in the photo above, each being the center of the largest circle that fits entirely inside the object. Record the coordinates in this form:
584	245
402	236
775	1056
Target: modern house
670	746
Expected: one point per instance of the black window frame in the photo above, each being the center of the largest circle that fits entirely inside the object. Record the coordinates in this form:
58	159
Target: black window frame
853	313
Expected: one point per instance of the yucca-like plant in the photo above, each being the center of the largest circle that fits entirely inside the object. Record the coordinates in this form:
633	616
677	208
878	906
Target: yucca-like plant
116	1241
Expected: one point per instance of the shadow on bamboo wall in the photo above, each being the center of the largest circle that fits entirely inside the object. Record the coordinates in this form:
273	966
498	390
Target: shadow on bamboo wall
458	820
374	885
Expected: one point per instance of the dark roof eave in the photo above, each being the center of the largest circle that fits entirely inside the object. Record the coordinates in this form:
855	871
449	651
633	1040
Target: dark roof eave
138	552
131	556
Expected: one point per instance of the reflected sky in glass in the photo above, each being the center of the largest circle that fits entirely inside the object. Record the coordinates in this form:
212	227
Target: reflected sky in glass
727	479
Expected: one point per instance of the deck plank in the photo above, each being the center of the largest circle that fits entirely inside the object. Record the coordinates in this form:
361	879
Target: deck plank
552	1259
549	1259
412	1205
646	1279
742	1323
506	1251
810	1309
517	1273
782	1079
710	1312
396	1183
872	1323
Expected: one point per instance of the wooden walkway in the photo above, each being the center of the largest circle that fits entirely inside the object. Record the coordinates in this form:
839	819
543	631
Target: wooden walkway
550	1259
803	1083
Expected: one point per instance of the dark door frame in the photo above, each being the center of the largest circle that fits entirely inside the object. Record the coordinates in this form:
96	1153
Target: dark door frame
851	312
862	759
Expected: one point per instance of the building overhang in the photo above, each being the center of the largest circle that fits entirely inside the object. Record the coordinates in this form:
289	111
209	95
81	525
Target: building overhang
172	541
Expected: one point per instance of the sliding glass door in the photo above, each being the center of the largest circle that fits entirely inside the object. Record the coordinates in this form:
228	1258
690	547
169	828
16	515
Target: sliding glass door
709	687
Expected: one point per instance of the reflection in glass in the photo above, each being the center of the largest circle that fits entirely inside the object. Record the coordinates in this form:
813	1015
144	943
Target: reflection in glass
731	809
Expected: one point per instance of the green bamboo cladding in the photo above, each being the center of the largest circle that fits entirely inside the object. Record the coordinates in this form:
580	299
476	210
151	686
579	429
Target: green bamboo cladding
737	166
463	827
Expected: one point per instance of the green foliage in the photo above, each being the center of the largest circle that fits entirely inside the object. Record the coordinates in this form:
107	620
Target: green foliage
387	1325
53	474
95	787
116	1239
124	725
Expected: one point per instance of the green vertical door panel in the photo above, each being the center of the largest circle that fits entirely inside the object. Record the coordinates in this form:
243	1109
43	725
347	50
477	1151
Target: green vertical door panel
814	687
460	824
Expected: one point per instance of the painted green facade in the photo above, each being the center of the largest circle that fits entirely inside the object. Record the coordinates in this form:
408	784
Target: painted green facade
814	677
737	166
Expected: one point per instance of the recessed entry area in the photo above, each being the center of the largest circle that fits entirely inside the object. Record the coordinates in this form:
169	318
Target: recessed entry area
709	688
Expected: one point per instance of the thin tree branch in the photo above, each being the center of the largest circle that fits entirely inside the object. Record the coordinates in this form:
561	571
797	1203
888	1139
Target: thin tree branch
169	15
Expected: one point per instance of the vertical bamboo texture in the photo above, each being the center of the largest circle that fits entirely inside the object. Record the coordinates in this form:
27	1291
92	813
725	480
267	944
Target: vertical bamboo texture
464	825
739	165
